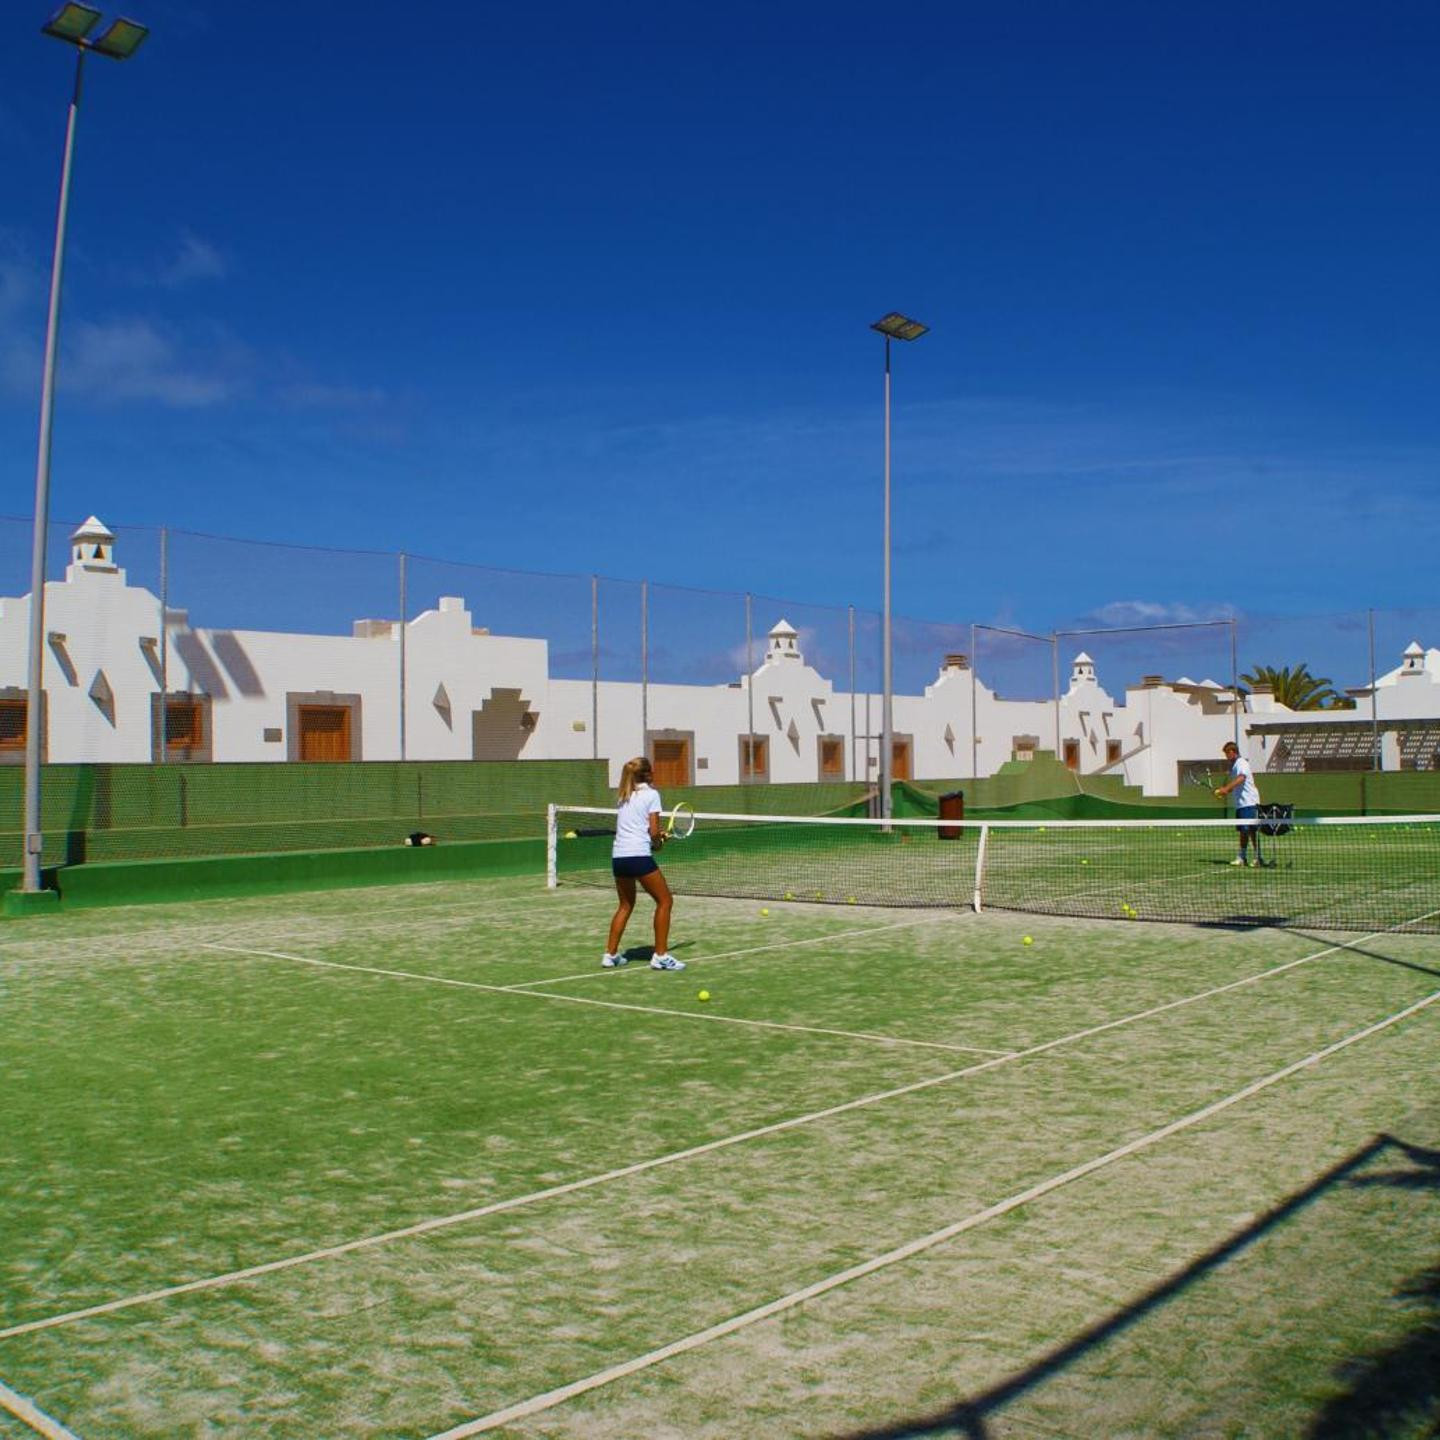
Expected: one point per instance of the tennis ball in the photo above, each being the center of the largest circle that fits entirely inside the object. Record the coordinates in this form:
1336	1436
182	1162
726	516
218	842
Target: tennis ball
849	899
704	995
1084	862
763	911
789	894
1028	940
571	835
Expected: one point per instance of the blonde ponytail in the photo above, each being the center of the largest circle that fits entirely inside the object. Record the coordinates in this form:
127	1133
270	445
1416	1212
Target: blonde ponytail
635	773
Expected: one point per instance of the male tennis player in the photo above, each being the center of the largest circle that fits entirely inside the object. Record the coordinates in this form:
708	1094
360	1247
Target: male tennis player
1247	802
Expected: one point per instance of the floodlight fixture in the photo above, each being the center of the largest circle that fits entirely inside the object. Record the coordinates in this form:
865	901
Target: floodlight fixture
72	22
121	39
896	326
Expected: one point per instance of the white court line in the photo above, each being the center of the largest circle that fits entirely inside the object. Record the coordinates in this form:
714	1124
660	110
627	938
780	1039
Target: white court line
950	913
559	1396
424	1227
30	1414
707	1015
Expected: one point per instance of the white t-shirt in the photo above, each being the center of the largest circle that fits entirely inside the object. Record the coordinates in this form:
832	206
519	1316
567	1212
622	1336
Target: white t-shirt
1248	793
632	822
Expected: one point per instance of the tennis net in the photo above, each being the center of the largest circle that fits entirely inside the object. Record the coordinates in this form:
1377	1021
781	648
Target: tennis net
1333	873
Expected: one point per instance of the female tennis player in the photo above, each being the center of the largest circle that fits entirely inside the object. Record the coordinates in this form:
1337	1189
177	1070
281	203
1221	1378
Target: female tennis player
637	837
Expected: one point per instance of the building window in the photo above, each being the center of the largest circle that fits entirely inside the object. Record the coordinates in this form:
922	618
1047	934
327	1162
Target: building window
15	725
754	757
1072	754
1112	751
185	732
12	724
832	757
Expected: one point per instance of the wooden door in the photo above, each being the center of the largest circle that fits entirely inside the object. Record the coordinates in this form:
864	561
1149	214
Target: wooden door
324	732
900	760
1072	754
671	763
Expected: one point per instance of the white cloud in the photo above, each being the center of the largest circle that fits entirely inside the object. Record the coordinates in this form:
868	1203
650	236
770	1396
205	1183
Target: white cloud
310	395
197	260
132	360
1120	613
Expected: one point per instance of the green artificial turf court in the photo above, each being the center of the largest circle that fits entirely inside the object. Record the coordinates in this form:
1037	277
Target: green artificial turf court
406	1163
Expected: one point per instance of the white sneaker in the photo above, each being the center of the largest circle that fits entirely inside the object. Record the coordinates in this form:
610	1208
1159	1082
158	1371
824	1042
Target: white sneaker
1239	860
611	961
666	962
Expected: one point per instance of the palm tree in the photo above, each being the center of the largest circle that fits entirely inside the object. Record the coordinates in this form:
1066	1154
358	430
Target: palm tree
1297	689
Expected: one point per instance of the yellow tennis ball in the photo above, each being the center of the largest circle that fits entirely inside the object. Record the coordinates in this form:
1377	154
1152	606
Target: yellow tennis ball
1084	862
571	835
704	995
1028	940
764	911
789	894
849	899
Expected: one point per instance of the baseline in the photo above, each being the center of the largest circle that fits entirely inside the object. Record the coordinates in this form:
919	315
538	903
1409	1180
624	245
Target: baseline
551	1398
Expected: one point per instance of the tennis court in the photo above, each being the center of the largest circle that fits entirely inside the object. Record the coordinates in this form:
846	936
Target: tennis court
406	1163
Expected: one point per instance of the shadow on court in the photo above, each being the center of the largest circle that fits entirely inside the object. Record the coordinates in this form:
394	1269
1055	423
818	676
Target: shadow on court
1402	1381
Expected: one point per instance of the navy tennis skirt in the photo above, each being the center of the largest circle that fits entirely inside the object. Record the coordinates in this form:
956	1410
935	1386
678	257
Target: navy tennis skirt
632	867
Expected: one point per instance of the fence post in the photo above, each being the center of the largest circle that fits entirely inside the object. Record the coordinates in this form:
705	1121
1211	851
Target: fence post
1375	757
404	602
165	649
1234	685
594	667
854	763
644	668
974	684
1055	686
747	751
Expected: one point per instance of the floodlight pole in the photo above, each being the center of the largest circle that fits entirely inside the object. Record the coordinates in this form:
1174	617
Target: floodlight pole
34	696
886	647
899	327
72	23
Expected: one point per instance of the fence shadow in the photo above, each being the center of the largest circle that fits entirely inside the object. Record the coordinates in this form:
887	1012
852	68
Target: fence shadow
1401	1373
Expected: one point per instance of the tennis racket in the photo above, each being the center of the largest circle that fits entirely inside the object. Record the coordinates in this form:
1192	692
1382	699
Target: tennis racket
681	824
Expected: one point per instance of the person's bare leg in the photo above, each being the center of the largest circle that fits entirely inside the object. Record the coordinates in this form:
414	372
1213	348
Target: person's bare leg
625	889
658	890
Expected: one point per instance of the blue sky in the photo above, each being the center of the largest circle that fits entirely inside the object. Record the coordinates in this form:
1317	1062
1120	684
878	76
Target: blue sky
584	288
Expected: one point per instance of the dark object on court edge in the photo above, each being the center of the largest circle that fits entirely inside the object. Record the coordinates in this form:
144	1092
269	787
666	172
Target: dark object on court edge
419	837
1275	819
952	807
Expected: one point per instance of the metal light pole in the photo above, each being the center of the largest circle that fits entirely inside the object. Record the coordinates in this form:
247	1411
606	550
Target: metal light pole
118	41
894	326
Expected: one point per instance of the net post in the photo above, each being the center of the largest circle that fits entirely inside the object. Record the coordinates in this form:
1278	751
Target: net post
552	830
975	903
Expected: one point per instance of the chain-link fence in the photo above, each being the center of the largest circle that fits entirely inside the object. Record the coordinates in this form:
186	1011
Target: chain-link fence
406	657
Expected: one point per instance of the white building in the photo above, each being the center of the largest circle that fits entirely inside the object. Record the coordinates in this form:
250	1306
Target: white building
251	695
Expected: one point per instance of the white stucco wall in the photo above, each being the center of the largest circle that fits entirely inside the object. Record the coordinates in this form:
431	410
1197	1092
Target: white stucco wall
106	641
